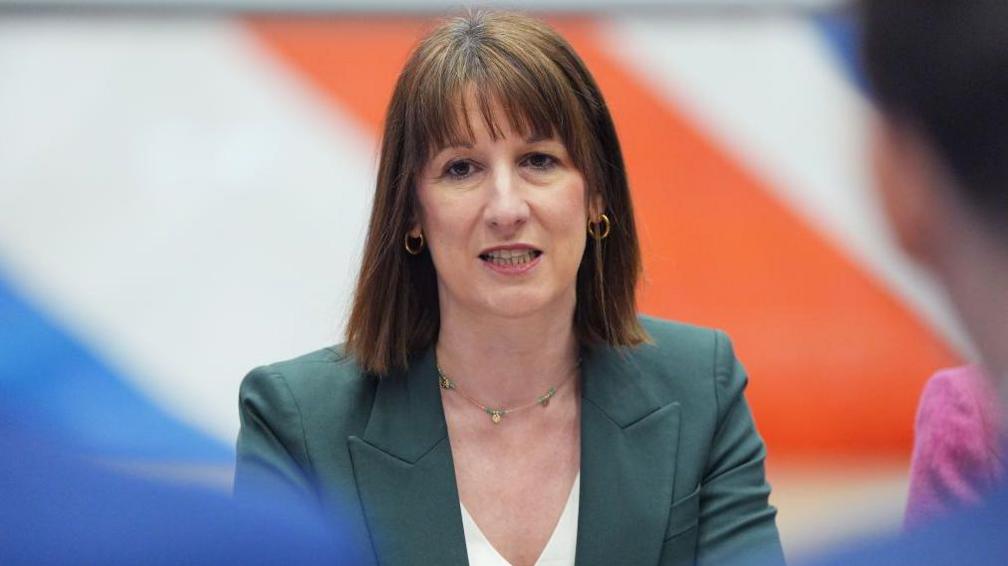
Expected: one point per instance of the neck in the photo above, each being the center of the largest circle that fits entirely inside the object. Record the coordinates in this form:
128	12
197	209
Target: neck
507	361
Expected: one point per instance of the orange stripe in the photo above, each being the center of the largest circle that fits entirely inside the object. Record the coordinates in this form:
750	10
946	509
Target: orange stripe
837	361
352	61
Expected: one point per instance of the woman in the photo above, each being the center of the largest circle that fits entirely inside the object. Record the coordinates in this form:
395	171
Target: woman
497	399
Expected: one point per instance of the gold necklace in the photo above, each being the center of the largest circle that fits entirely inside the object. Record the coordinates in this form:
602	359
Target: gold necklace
497	414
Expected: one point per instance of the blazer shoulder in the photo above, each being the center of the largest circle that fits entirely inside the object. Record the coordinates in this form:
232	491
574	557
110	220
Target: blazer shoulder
671	334
684	347
327	387
686	361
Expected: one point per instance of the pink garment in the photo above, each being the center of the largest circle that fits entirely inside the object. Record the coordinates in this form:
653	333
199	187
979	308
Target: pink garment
956	458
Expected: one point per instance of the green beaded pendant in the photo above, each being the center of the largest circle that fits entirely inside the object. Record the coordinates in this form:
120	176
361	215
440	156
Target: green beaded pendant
545	399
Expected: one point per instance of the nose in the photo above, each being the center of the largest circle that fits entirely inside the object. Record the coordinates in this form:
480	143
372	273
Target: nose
506	209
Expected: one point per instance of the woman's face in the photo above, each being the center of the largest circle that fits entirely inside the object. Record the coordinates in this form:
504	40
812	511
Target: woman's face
505	222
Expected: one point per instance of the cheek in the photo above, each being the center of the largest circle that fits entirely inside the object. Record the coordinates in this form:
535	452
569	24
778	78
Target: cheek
577	204
448	226
569	218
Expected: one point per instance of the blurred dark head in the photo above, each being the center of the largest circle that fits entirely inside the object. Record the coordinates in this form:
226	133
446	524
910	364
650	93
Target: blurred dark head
939	74
939	69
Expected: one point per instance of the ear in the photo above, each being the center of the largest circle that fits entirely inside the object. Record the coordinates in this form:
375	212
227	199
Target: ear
415	230
908	183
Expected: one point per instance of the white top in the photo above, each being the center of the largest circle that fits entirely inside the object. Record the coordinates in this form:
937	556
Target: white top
559	550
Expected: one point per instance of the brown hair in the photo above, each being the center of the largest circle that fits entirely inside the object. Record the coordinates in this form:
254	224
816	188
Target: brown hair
543	88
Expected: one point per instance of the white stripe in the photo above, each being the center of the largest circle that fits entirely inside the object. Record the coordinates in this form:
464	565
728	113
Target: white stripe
178	198
769	91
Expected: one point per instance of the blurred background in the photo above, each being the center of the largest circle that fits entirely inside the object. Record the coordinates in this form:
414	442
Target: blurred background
184	187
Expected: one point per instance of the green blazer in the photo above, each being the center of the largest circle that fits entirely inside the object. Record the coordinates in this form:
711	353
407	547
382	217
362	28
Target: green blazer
671	463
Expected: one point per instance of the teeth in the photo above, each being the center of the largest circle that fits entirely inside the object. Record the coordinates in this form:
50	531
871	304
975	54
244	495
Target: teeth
507	254
511	257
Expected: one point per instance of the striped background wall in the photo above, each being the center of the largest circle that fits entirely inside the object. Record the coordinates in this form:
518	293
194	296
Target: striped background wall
182	199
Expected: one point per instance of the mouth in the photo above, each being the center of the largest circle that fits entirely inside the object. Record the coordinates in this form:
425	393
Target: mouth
510	257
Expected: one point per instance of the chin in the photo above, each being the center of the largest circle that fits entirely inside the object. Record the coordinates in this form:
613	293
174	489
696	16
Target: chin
520	303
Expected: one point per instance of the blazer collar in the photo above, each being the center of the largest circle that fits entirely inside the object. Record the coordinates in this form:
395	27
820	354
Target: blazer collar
407	419
629	443
404	472
406	478
612	381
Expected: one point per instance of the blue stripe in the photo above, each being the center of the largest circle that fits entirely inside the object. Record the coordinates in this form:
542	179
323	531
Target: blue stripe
58	384
842	34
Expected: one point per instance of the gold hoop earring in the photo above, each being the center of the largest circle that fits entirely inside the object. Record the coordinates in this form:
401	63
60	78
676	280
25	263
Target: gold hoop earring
594	228
419	247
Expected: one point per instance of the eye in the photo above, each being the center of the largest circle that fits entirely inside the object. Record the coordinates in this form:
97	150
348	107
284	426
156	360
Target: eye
540	161
459	169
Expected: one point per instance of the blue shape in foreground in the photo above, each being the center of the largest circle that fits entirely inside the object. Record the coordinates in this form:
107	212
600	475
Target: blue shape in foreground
61	508
60	386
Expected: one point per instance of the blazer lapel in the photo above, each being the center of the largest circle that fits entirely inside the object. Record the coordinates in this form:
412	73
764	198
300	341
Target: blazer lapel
405	474
629	442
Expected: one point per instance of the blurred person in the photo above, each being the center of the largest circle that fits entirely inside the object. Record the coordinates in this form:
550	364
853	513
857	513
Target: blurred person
956	458
62	505
939	74
498	400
